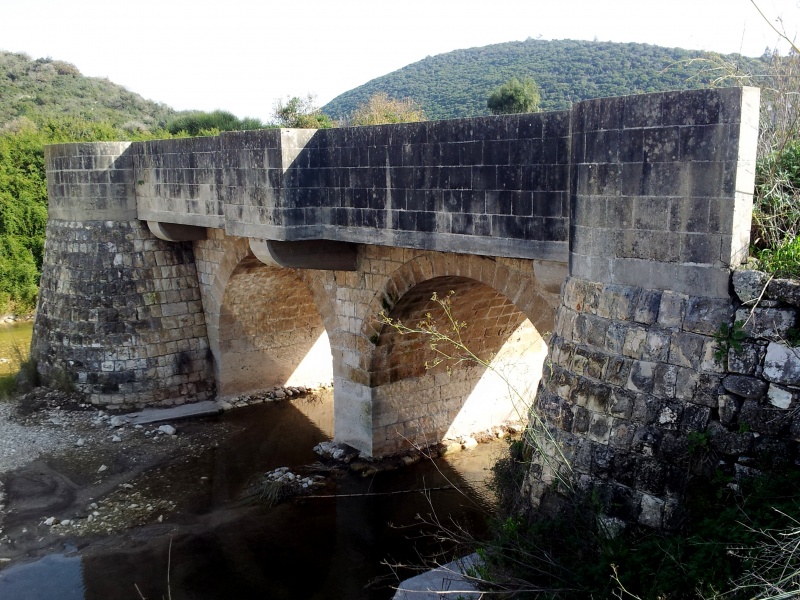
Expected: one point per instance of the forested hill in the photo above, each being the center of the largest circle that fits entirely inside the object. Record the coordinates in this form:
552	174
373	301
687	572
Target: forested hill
457	84
44	88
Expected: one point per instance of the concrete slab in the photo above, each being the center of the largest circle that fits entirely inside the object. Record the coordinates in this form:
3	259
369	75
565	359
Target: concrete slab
447	581
174	413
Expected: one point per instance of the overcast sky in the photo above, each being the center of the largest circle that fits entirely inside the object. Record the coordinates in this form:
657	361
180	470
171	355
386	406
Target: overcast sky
242	55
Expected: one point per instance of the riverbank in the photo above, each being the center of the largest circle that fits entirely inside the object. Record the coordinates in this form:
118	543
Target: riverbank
118	497
60	456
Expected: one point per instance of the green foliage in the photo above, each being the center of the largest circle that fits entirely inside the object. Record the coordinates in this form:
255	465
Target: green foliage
728	337
300	113
457	84
45	89
508	474
22	379
698	442
211	123
44	102
782	261
380	109
578	553
776	213
23	197
514	96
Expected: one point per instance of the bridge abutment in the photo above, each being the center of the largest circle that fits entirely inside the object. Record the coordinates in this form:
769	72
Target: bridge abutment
660	219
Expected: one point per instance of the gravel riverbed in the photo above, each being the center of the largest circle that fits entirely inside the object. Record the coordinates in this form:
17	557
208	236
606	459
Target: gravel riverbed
21	444
68	468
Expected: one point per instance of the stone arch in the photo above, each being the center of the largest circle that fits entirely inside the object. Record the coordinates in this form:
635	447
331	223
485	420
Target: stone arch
506	318
512	278
267	325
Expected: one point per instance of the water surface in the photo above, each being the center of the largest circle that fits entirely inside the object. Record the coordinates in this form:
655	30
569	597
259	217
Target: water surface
347	545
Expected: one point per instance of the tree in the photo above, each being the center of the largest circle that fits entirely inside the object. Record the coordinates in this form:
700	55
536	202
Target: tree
381	108
514	96
300	113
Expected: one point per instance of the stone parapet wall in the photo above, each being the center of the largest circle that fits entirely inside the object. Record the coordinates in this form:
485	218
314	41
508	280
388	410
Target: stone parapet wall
495	186
91	181
469	185
662	188
179	181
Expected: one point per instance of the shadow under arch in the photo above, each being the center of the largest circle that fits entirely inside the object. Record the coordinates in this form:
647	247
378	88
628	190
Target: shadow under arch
415	404
269	331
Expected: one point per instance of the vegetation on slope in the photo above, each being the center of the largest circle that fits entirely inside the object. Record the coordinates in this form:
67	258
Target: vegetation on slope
457	84
45	88
47	101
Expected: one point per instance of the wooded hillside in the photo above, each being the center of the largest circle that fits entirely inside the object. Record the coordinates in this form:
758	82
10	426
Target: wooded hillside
457	84
44	88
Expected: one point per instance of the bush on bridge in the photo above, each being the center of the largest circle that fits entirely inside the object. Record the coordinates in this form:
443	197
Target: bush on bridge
211	123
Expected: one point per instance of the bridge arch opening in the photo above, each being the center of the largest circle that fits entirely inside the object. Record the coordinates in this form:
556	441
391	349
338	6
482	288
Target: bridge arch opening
415	401
270	331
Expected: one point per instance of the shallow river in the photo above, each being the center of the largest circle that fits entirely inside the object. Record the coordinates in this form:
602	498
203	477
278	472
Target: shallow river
335	547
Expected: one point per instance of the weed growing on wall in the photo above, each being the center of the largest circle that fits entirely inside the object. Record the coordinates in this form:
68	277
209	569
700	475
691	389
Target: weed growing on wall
783	260
728	337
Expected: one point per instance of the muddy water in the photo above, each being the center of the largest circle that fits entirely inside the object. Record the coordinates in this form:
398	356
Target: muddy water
216	547
15	344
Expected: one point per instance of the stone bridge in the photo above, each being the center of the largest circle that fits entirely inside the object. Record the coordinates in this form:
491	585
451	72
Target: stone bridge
176	269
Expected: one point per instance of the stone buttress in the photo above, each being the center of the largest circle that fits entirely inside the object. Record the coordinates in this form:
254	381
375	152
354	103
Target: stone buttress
119	311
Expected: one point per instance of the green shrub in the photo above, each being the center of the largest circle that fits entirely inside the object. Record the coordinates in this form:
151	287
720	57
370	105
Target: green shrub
783	260
514	96
776	210
720	547
23	198
211	123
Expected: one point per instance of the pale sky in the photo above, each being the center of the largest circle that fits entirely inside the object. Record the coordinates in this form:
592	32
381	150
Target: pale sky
243	55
